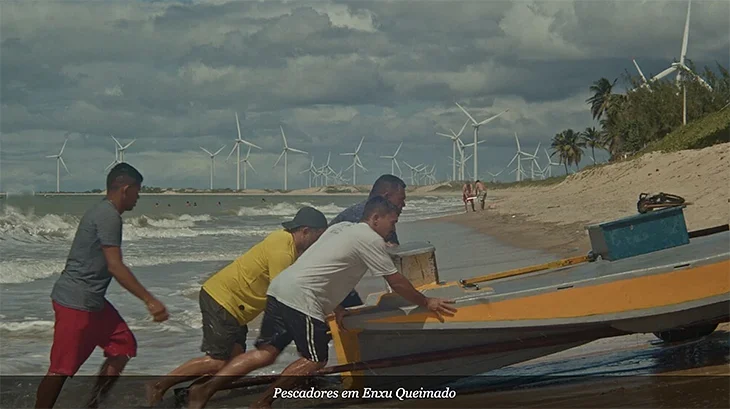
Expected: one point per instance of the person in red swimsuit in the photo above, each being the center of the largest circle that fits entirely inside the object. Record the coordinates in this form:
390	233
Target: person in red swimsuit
84	318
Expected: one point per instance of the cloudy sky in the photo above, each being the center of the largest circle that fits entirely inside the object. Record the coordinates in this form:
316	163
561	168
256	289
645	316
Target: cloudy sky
171	74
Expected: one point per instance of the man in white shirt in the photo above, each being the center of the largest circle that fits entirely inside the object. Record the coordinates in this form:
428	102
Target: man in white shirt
300	298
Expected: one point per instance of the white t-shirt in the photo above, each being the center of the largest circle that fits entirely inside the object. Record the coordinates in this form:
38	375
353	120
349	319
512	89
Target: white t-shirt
323	275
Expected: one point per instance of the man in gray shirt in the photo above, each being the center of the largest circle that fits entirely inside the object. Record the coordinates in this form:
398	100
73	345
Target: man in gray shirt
84	318
389	187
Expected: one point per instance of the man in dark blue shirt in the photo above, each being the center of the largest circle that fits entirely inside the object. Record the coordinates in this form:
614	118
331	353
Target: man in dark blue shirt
389	187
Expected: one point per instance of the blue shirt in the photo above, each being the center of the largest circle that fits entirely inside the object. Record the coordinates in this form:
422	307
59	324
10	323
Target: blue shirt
354	214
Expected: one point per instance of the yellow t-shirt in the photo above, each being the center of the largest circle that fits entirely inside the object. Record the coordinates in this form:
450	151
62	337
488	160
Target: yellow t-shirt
241	286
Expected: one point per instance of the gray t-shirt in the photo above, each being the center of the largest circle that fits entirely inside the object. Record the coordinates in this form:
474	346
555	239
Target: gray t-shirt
85	279
324	274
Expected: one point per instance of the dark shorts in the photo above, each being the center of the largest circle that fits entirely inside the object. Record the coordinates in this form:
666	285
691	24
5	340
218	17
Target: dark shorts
77	333
282	325
221	330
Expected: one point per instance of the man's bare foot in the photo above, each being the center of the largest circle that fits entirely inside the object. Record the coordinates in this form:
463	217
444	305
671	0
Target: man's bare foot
197	397
153	392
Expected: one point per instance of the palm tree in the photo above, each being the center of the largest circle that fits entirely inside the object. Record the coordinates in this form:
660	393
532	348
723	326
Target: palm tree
601	100
592	138
569	147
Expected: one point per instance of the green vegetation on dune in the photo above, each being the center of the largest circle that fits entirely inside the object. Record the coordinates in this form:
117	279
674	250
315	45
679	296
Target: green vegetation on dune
710	130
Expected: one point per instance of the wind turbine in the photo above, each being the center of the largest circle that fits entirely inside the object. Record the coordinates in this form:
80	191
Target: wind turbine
121	148
680	67
517	156
476	126
455	138
247	163
312	171
285	155
212	162
494	175
550	164
394	162
355	161
237	147
59	162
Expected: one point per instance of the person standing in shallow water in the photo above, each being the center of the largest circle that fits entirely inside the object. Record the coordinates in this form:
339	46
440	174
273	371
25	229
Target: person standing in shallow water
84	319
481	192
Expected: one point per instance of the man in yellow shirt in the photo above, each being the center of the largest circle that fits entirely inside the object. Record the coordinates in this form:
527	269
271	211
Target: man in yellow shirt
235	295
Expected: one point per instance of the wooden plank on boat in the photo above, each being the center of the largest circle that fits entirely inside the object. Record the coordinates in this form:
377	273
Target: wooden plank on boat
525	270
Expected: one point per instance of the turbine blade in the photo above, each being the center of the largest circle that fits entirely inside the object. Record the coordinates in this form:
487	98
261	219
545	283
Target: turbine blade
360	145
251	166
639	69
118	144
64	164
277	160
397	150
686	34
486	121
63	147
474	121
234	148
664	73
219	150
238	126
206	151
397	166
249	144
462	129
300	151
129	144
283	136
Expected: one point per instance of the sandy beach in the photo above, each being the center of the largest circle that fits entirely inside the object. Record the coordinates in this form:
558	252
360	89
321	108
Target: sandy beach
553	217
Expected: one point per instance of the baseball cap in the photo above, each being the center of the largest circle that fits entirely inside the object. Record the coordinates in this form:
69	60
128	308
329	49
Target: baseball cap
307	217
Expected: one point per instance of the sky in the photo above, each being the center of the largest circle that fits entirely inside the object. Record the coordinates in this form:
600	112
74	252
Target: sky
172	74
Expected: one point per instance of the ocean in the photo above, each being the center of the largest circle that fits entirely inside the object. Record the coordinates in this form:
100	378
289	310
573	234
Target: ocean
171	242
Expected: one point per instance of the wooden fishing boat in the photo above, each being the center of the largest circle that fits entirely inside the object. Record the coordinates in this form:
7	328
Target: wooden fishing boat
645	274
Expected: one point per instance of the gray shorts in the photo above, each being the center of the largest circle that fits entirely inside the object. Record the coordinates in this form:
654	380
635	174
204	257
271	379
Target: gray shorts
221	330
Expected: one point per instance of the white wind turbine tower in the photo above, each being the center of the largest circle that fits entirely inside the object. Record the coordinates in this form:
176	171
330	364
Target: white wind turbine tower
394	162
455	138
246	162
59	162
121	149
237	147
284	153
355	161
476	126
212	162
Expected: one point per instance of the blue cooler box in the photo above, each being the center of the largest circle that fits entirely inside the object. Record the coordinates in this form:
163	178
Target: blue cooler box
639	234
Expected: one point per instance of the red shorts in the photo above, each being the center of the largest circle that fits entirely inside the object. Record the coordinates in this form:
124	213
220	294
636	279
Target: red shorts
76	334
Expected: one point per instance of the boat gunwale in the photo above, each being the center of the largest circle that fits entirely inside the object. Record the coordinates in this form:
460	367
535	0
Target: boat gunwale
385	297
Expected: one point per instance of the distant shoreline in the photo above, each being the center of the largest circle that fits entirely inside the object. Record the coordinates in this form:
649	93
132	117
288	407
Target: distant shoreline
441	189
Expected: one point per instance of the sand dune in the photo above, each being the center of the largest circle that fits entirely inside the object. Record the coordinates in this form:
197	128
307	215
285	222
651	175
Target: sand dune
605	193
